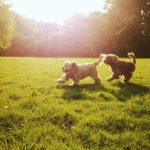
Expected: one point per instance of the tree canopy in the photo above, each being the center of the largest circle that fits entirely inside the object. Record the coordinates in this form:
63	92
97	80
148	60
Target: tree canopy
124	26
7	25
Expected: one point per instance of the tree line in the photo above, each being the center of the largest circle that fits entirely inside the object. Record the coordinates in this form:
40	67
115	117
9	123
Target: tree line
124	26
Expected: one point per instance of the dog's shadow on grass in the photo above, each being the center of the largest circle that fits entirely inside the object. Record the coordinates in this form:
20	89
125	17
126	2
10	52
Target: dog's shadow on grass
126	91
123	92
89	87
79	92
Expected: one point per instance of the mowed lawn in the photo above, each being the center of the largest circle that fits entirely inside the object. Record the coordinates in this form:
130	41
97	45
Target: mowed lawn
35	114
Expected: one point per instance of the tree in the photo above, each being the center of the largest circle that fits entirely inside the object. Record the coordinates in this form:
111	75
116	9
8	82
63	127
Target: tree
130	21
7	25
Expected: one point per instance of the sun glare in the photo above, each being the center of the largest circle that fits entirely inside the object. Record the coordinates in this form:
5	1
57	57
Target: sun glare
55	10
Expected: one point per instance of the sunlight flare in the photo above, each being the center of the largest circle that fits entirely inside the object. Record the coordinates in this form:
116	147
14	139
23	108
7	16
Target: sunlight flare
55	10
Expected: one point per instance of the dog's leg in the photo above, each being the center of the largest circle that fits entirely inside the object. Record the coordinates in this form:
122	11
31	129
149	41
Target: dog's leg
63	78
127	77
98	81
112	77
75	80
76	83
95	77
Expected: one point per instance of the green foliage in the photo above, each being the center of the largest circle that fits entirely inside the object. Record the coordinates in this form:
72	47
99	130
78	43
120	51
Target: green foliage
122	28
7	25
130	17
35	114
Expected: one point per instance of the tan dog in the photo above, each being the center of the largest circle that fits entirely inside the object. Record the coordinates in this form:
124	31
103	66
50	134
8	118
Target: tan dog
76	72
119	67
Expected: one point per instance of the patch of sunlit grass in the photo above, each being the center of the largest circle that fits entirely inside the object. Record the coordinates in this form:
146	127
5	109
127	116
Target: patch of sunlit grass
34	114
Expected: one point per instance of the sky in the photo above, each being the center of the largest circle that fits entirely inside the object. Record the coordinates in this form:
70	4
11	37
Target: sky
55	10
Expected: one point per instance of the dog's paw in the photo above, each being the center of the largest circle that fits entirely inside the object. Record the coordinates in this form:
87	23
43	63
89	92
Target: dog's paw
60	81
125	81
73	84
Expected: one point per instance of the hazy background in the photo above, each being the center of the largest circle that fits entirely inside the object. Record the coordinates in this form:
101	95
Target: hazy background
82	28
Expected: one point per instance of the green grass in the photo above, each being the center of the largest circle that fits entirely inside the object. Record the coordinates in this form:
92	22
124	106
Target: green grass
35	114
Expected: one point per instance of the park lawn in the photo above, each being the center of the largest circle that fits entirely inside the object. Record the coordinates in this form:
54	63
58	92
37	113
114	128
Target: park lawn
36	114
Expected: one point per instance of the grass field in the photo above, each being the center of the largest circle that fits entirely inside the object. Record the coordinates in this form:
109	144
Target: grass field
34	114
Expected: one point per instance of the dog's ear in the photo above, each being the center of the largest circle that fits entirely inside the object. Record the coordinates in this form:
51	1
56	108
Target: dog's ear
74	65
102	55
114	58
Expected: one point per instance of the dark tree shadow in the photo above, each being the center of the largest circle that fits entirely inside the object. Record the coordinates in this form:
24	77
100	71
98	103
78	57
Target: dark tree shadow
125	92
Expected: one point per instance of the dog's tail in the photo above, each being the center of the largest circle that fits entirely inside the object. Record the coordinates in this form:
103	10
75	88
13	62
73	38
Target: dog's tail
98	62
131	55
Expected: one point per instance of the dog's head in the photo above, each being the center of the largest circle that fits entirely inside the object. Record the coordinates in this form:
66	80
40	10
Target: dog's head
70	67
109	59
